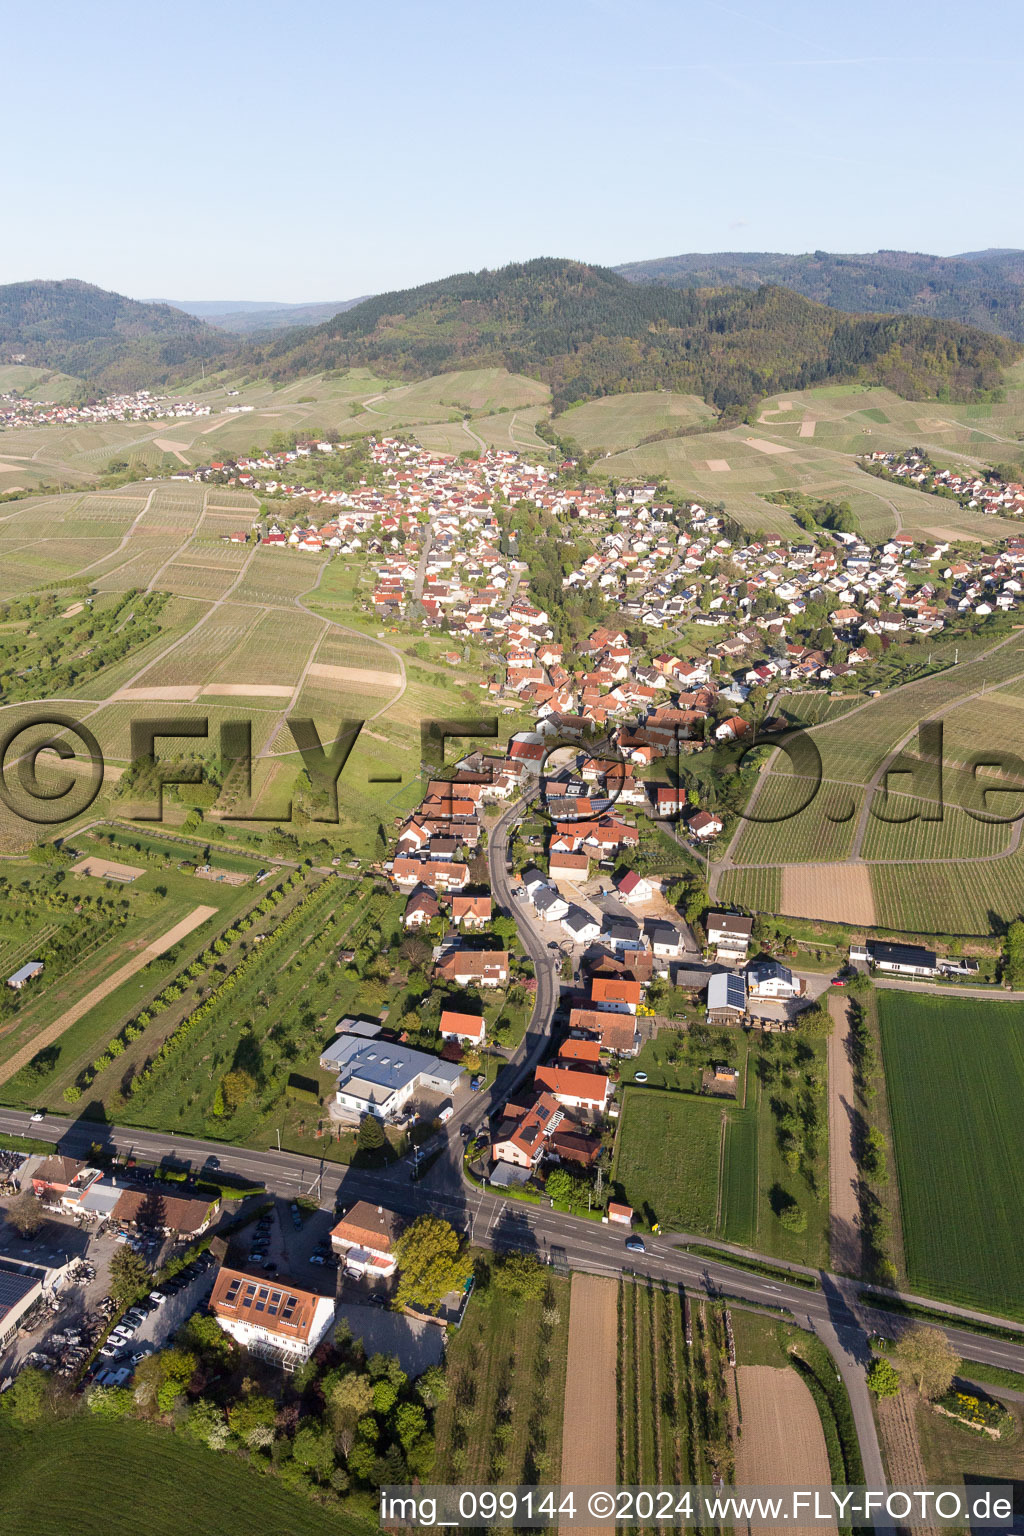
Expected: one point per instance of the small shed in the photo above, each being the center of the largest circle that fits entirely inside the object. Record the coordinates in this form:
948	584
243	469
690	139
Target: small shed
28	972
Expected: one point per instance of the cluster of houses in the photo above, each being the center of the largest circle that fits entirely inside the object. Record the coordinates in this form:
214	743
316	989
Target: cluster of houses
432	526
139	406
557	1119
982	493
73	1187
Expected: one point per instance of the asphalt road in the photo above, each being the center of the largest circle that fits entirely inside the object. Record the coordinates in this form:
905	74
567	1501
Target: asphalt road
835	1311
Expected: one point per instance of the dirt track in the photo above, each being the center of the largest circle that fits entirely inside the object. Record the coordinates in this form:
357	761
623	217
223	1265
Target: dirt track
325	672
832	893
77	1010
844	1214
782	1442
589	1433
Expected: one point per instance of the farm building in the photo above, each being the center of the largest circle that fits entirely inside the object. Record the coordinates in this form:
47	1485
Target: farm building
727	999
26	973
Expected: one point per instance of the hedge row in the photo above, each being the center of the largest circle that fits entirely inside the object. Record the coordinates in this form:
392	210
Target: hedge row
818	1370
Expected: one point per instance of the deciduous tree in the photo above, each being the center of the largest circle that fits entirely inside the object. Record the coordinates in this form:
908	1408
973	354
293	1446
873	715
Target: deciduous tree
432	1261
928	1356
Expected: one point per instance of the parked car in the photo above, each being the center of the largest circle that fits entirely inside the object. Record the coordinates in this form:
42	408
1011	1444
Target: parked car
157	1298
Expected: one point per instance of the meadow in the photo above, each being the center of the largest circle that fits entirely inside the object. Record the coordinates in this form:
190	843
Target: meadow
955	1078
722	1167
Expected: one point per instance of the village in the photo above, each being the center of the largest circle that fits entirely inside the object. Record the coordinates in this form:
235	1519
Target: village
141	405
986	493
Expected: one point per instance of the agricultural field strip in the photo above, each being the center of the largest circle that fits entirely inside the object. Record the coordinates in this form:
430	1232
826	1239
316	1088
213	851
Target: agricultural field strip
79	1009
957	1127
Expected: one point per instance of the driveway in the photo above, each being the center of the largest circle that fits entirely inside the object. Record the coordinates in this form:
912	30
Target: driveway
164	1321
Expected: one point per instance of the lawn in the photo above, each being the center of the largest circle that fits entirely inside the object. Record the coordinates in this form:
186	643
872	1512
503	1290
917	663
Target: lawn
955	1077
93	1477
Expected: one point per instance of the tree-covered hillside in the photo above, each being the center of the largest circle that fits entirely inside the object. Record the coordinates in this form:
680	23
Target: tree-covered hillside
112	342
587	331
983	288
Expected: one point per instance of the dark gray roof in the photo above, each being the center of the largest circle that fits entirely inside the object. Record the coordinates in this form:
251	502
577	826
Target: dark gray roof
903	954
13	1290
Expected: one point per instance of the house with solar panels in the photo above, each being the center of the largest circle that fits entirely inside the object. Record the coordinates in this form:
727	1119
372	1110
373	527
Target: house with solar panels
275	1319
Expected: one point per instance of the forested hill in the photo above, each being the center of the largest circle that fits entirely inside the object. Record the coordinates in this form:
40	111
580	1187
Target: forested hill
112	342
983	288
587	332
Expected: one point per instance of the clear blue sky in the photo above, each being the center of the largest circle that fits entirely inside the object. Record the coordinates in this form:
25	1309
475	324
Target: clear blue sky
315	150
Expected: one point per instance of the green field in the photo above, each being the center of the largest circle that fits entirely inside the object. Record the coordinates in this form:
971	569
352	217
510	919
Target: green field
719	1166
955	1078
93	1477
668	1156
